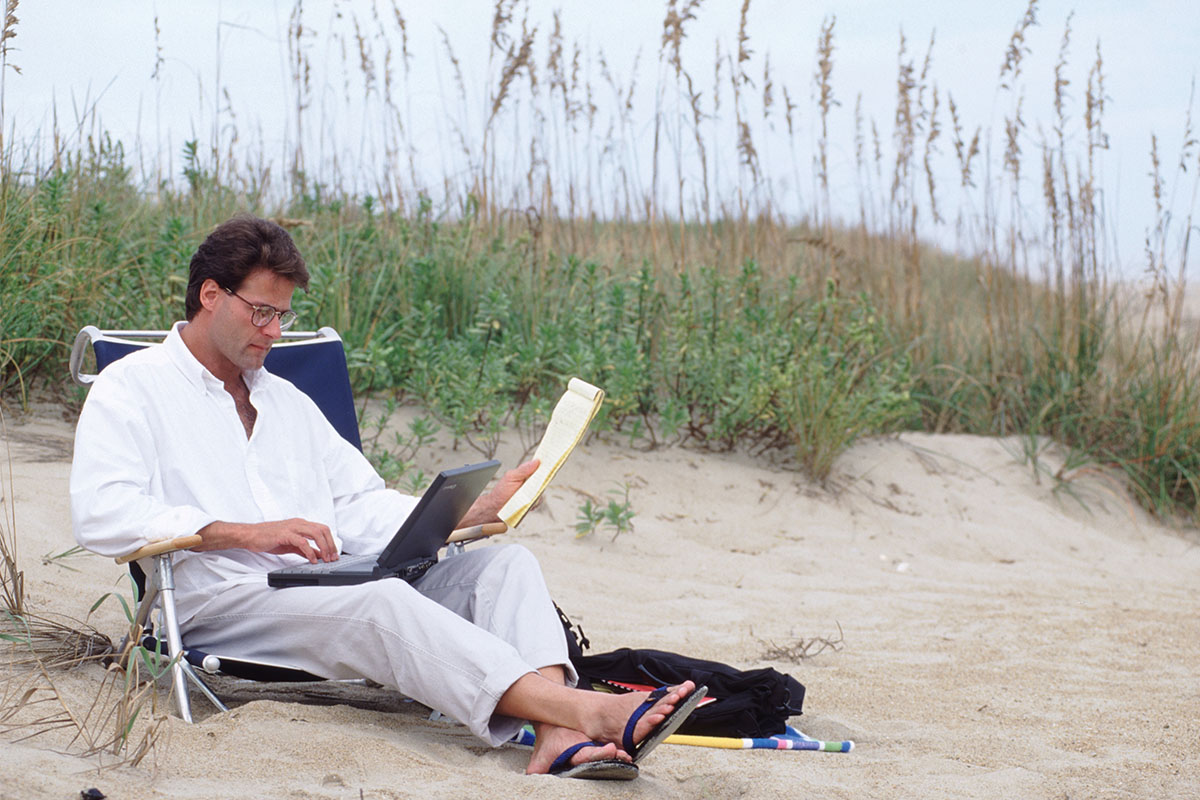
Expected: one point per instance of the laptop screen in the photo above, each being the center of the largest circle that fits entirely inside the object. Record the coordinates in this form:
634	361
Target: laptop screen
439	510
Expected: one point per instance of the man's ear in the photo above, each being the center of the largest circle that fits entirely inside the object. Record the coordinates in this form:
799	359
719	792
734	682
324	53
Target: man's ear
210	292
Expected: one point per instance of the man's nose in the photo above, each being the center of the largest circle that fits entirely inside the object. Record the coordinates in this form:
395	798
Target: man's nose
273	328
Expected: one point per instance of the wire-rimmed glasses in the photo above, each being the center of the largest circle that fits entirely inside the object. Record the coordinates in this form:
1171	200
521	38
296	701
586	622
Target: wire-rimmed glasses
261	316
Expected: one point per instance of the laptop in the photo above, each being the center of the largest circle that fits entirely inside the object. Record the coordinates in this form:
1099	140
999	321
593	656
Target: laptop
414	548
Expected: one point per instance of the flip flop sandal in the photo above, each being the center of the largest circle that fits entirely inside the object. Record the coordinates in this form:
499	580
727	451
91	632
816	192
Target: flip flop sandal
665	728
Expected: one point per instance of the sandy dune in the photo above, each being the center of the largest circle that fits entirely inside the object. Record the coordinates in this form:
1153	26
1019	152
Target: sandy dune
1002	635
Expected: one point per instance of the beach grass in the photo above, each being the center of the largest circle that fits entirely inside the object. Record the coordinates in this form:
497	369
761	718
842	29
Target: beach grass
708	315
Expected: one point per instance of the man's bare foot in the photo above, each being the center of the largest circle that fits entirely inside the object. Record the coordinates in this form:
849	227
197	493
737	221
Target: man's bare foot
551	741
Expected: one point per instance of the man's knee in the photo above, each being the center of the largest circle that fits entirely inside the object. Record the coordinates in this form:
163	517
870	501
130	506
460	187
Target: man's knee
501	556
516	558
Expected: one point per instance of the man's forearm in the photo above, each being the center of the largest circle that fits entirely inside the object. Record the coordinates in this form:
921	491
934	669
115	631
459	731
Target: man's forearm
223	536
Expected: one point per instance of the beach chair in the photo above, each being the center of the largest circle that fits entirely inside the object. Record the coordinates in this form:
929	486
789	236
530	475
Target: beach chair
315	362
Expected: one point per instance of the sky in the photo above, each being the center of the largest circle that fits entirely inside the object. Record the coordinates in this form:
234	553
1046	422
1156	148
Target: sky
157	74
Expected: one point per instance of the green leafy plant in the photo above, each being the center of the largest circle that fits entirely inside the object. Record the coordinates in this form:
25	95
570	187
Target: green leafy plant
616	515
396	461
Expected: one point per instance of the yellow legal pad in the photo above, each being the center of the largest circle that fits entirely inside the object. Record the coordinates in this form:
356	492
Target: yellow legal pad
568	423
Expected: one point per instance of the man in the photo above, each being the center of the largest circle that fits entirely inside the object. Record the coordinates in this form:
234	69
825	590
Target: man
194	436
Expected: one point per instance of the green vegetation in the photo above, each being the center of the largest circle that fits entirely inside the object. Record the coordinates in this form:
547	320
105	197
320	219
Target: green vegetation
616	515
717	359
718	325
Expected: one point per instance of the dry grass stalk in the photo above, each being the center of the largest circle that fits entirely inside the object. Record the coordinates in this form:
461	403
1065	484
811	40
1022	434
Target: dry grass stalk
1014	126
963	152
1050	197
747	151
673	30
1052	176
1187	154
37	646
29	708
903	210
768	90
54	642
1061	82
12	579
904	128
1097	140
825	101
1158	291
935	130
458	127
7	31
747	154
517	58
789	112
803	648
402	26
301	73
555	67
501	18
861	169
697	118
1016	51
123	719
366	59
158	51
743	39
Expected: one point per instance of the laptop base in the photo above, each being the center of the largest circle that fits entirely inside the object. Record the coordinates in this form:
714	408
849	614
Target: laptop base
409	572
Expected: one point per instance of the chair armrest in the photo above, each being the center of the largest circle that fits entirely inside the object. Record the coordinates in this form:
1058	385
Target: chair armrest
160	547
78	350
476	532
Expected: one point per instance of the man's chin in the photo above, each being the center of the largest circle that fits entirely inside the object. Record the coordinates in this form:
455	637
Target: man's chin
253	358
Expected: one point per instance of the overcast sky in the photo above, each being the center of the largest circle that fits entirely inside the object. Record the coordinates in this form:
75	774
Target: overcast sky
79	56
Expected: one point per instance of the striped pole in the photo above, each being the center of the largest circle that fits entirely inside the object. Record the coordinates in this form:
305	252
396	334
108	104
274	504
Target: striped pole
770	743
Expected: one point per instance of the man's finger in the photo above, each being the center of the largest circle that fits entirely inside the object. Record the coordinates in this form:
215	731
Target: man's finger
325	543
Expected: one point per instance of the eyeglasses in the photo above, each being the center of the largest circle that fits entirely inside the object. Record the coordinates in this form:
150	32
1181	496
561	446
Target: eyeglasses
261	316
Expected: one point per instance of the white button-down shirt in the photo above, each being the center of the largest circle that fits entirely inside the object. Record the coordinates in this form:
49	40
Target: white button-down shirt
160	452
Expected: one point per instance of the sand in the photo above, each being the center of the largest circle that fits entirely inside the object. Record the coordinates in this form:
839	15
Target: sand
1002	633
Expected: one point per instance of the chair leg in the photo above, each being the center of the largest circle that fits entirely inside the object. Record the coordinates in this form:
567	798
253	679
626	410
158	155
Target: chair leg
179	671
159	591
199	683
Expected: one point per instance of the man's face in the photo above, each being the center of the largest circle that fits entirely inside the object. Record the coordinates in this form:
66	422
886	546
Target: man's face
236	339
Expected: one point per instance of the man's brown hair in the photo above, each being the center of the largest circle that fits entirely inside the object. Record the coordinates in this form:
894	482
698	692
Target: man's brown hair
238	247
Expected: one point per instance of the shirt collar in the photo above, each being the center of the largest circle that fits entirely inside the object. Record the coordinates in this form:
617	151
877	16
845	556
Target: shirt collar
196	373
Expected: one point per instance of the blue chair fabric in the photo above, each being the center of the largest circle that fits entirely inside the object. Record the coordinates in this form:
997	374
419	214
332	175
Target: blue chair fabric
317	366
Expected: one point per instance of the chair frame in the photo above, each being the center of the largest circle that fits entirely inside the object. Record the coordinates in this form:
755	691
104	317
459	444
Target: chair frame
158	585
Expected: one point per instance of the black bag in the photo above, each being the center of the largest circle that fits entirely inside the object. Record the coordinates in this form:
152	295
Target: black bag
752	703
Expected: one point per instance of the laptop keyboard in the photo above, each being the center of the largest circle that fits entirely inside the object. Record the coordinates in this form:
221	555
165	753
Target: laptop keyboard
345	562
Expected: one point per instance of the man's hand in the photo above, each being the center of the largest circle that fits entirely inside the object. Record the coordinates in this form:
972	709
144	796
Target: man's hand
312	540
487	508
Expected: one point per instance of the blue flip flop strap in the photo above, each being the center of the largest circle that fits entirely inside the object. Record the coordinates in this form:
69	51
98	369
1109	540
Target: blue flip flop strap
563	761
627	743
